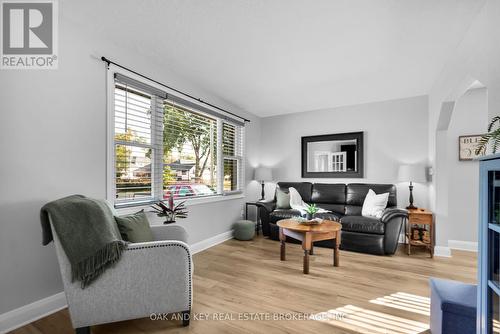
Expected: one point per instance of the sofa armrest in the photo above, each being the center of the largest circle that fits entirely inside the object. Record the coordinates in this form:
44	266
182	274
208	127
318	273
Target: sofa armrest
269	205
265	207
393	218
169	232
391	213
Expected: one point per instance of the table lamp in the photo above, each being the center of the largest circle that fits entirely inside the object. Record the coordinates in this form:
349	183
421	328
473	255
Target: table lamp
263	174
411	173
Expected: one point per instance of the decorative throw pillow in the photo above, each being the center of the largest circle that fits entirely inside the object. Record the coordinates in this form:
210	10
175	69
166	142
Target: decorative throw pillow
282	199
374	205
135	227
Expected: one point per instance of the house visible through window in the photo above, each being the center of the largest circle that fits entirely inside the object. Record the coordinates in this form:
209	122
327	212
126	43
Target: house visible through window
132	144
190	151
165	146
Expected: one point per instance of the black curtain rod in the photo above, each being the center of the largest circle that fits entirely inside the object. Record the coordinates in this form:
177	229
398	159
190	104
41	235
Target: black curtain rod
104	59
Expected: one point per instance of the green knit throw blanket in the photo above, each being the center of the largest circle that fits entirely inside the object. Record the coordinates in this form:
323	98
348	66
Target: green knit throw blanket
88	234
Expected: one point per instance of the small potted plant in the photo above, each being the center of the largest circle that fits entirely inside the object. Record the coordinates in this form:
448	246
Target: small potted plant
170	210
311	209
492	138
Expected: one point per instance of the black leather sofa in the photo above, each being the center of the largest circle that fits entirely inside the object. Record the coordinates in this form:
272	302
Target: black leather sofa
359	233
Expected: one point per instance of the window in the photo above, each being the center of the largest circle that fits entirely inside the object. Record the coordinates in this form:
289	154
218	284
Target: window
132	144
167	146
190	148
232	150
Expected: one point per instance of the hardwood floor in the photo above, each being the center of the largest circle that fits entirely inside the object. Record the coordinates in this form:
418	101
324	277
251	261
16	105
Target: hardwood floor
366	294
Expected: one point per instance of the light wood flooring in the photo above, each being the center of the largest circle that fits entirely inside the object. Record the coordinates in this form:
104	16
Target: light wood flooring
366	294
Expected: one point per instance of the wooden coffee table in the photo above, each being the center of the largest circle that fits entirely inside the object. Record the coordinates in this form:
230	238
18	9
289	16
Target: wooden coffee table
308	234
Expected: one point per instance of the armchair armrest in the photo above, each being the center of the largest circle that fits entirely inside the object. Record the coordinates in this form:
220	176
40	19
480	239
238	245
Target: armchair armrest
151	277
269	205
391	213
169	232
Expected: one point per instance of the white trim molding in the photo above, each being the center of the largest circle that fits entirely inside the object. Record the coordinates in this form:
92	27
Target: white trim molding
442	251
28	313
41	308
210	242
469	246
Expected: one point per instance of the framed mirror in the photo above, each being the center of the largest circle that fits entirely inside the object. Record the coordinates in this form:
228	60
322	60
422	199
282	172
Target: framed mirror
335	155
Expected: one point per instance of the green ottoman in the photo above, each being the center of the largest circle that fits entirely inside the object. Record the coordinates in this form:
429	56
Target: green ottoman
244	230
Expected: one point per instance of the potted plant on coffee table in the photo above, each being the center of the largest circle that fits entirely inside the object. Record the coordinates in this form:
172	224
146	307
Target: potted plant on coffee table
311	209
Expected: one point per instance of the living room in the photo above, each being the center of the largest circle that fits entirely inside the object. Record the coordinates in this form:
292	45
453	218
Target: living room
218	119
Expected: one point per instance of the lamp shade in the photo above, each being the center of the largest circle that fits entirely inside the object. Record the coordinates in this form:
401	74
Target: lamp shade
413	173
263	174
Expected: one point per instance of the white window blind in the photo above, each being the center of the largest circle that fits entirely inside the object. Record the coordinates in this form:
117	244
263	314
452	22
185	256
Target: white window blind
137	123
165	146
232	150
190	151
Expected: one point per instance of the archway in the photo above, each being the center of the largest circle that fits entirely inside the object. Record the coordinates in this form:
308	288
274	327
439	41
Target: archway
456	182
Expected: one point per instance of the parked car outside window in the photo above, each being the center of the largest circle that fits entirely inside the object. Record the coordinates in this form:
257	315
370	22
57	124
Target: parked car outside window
187	190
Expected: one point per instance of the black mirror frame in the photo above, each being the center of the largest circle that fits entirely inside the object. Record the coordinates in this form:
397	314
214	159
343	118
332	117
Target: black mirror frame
338	136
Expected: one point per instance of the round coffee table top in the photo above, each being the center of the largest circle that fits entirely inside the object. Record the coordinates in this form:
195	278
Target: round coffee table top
324	227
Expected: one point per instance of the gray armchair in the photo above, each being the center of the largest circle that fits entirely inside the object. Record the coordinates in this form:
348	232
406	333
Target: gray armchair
150	278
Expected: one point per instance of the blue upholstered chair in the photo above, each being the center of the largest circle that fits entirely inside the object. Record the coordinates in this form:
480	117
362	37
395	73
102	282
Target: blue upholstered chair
453	307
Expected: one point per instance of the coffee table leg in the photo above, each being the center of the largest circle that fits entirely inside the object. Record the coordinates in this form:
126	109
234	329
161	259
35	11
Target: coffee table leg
306	262
336	255
311	252
306	246
282	248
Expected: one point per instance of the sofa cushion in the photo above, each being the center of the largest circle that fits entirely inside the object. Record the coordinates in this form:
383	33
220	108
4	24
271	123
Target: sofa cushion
455	297
356	193
280	214
374	204
328	193
304	189
135	227
282	199
362	224
338	209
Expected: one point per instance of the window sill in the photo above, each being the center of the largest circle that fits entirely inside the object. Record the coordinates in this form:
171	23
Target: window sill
189	202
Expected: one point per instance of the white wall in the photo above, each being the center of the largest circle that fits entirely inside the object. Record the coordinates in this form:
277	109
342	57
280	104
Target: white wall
476	58
395	132
470	116
53	143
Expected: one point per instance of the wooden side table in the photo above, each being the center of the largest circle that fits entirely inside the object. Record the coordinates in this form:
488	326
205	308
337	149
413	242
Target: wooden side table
420	223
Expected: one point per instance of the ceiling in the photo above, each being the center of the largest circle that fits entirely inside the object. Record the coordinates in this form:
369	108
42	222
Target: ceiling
286	56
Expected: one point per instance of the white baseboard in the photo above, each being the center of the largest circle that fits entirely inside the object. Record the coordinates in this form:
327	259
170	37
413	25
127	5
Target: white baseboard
442	251
44	307
210	242
463	245
28	313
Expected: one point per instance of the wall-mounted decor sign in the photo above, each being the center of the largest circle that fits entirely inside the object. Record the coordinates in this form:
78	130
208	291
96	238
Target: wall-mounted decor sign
467	147
335	155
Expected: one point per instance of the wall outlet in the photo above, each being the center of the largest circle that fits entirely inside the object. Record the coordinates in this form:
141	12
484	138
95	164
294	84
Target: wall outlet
242	213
